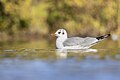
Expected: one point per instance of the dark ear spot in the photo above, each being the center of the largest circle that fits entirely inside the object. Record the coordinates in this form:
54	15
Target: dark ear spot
63	33
59	32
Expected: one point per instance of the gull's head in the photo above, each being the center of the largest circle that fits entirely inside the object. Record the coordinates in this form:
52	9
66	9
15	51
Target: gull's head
61	33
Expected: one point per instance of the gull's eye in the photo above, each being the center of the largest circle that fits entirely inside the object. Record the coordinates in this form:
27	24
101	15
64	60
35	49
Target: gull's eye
59	32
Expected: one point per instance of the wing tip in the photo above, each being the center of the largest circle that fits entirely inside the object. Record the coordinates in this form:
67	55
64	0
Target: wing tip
103	37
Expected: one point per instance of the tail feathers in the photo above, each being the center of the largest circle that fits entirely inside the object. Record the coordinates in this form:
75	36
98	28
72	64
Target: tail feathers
103	37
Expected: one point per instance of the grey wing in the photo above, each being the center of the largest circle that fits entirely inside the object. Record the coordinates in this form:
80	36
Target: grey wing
88	41
73	41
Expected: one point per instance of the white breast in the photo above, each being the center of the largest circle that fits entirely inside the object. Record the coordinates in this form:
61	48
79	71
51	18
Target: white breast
59	42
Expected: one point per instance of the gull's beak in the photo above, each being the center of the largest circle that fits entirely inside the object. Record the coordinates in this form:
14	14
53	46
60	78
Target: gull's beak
53	34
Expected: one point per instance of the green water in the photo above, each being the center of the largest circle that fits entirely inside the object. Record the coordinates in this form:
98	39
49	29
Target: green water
39	60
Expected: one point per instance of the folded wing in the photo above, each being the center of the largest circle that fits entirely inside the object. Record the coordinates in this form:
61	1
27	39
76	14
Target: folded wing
82	42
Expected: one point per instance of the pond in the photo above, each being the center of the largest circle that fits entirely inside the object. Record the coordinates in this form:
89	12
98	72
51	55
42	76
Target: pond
39	60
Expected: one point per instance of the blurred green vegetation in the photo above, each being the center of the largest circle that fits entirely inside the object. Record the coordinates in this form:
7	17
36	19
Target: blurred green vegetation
29	19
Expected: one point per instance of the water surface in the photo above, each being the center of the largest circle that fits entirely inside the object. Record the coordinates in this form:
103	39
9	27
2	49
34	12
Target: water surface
39	60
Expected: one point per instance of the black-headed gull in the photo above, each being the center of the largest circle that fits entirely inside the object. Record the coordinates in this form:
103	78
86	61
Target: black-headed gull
63	42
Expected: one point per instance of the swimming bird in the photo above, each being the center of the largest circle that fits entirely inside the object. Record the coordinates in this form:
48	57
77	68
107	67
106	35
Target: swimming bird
63	42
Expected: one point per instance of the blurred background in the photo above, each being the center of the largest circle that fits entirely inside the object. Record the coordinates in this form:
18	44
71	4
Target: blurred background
28	52
26	20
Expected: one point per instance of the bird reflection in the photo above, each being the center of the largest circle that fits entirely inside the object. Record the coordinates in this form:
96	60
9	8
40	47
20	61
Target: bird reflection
63	53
